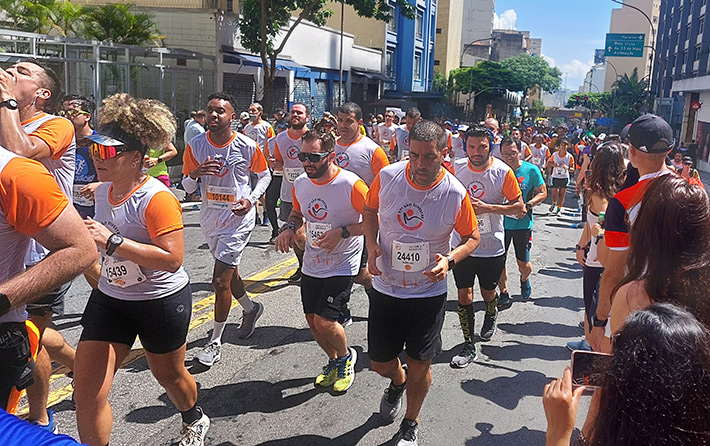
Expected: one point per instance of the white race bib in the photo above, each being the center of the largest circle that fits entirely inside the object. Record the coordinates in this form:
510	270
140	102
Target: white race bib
410	257
484	223
121	273
219	197
315	230
291	173
79	199
559	172
537	160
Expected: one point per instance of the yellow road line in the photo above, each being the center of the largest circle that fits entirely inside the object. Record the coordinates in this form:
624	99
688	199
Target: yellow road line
254	284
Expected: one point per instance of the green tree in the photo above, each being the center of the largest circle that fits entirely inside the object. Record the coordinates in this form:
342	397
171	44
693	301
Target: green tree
263	21
533	73
601	102
632	97
486	75
118	24
62	16
14	11
537	108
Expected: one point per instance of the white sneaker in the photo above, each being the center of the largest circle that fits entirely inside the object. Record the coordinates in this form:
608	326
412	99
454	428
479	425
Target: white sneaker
209	354
194	434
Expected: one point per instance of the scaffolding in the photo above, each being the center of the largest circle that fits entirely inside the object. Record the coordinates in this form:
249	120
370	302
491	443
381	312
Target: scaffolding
179	78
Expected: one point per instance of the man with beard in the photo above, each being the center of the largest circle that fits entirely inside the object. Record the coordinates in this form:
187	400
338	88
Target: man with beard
330	200
399	145
494	192
223	159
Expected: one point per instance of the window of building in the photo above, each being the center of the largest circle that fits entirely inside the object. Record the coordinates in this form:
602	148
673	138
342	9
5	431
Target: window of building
685	58
389	62
419	25
230	5
438	30
417	67
697	53
436	62
701	25
392	22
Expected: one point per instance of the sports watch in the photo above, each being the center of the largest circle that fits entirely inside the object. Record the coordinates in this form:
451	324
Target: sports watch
452	262
11	104
346	233
598	322
113	242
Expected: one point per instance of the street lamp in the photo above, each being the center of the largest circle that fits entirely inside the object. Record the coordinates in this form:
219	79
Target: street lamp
470	77
613	91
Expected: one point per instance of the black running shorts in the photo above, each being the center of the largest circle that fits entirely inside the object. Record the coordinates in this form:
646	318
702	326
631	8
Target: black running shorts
522	242
487	269
413	324
54	302
161	324
325	297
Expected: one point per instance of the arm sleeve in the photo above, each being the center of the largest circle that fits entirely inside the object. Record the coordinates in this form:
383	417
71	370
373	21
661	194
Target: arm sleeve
379	160
616	232
295	203
358	195
466	221
511	188
189	184
29	196
262	183
270	133
58	134
163	214
277	152
189	163
258	162
373	194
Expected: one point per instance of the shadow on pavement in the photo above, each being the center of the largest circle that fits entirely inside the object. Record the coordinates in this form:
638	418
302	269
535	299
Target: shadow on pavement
573	303
350	438
541	329
516	351
521	436
507	391
561	273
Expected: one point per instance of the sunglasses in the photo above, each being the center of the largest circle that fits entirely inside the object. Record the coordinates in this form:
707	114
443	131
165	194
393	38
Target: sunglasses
105	152
312	157
73	113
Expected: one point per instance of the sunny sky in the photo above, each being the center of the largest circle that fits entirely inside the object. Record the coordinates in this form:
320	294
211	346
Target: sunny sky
570	30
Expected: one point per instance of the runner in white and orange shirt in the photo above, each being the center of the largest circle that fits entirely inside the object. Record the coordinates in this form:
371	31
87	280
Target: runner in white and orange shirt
27	90
525	152
494	192
329	200
540	152
411	210
399	145
223	160
287	146
560	165
143	291
260	131
385	132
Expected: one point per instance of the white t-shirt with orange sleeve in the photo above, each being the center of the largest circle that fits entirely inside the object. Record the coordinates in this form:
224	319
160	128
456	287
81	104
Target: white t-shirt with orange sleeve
327	206
286	150
363	157
415	224
494	185
260	132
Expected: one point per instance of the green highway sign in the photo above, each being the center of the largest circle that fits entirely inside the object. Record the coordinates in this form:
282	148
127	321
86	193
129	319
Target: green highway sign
624	45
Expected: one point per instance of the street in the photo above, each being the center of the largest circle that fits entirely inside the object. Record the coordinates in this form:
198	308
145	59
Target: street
262	393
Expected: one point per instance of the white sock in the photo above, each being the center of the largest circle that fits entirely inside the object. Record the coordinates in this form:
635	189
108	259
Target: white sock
217	330
246	303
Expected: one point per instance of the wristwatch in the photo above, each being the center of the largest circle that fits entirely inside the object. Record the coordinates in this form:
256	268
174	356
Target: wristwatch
113	242
288	225
11	104
346	233
4	304
598	322
452	262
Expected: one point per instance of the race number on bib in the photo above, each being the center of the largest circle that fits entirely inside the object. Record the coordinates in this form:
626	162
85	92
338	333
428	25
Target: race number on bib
291	173
559	172
121	273
484	223
79	199
410	257
315	230
537	160
219	197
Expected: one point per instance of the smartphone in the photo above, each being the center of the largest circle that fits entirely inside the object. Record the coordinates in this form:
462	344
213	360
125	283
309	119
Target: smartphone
586	368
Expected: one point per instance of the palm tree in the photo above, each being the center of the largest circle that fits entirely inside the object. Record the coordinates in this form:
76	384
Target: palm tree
61	16
631	96
116	23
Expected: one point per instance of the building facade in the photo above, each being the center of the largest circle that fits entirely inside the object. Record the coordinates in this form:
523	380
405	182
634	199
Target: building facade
477	29
507	43
447	42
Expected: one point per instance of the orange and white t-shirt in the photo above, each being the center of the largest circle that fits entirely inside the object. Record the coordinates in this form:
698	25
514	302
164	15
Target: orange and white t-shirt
327	206
149	211
260	132
58	134
30	200
385	134
559	163
458	147
494	185
539	156
286	150
238	158
415	224
363	157
400	142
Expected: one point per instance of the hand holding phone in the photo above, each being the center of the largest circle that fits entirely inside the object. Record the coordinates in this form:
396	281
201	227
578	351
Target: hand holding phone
587	368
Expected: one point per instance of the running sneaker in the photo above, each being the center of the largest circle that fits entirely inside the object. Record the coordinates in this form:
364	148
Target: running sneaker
246	329
525	291
346	372
328	375
581	324
391	402
504	301
272	240
265	221
50	427
582	344
467	356
489	325
407	434
345	318
296	277
556	211
194	434
209	354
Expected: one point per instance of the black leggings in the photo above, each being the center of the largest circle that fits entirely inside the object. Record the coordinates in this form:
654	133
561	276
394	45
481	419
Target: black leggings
590	282
272	197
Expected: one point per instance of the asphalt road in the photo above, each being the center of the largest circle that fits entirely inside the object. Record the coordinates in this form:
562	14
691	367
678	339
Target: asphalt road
261	392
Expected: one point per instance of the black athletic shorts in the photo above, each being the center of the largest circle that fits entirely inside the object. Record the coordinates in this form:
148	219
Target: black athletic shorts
161	324
560	183
54	302
325	297
487	269
413	324
17	347
522	242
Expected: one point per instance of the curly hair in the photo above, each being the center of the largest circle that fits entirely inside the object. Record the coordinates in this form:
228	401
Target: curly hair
147	120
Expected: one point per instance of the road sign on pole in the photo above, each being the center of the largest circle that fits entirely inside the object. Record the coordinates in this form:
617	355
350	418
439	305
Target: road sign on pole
624	45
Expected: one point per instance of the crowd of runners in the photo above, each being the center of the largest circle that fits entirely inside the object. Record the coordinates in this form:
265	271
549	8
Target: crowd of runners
360	200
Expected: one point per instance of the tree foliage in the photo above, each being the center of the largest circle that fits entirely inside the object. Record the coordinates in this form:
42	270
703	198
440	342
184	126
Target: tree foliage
533	72
537	108
265	26
118	24
486	75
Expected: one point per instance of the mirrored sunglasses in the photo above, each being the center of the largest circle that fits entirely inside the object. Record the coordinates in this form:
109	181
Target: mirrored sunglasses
73	113
105	152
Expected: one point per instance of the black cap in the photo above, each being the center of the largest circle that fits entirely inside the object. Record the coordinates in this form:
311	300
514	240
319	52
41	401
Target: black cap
651	134
624	135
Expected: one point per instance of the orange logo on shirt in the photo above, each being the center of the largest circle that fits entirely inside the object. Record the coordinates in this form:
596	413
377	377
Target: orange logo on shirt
292	152
476	190
410	217
318	209
342	160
